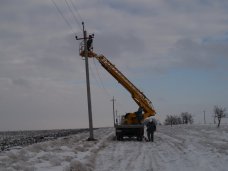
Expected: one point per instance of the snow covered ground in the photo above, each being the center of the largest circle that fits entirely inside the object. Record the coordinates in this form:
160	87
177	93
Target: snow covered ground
10	139
177	148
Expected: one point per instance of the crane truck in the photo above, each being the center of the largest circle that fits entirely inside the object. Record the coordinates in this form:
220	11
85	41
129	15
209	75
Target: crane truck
131	124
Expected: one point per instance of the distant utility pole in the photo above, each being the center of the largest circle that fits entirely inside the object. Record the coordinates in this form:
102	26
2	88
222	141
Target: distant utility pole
204	116
113	109
116	118
91	138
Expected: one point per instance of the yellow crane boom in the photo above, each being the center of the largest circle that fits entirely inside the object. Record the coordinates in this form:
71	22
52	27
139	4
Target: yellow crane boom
143	102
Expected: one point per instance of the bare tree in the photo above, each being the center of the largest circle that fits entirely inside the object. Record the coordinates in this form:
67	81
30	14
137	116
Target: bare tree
219	113
168	120
172	120
186	118
177	119
183	118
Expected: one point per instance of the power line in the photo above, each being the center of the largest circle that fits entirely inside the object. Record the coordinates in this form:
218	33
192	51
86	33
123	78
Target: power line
76	10
58	9
74	16
106	91
94	76
101	79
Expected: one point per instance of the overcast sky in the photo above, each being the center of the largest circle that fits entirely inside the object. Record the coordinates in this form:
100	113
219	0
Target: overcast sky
175	51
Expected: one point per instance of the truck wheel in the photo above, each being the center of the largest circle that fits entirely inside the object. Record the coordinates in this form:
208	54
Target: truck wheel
119	136
139	138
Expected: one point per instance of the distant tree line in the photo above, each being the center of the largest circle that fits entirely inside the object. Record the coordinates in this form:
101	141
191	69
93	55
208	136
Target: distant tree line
183	118
186	118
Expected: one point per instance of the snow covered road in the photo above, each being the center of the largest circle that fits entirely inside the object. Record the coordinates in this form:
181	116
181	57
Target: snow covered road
177	148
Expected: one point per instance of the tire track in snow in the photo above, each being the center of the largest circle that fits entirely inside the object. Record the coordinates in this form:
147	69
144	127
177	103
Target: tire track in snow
174	149
128	155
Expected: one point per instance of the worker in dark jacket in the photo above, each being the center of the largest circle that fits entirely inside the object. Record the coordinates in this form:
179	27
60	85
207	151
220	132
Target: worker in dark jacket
89	42
151	127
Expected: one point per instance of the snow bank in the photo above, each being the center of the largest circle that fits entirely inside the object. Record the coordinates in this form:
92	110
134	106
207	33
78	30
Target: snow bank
72	153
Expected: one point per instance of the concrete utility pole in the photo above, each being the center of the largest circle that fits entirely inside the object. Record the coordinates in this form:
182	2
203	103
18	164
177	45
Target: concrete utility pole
113	108
204	117
116	119
91	138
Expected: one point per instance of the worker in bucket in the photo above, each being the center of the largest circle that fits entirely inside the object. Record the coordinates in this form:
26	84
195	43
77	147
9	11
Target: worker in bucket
89	42
151	128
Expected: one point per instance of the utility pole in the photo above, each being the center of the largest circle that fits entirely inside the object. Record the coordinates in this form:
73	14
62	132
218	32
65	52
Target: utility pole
113	109
116	119
91	138
204	117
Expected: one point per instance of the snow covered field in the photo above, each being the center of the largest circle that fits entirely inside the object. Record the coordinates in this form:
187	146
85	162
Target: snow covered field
10	139
177	148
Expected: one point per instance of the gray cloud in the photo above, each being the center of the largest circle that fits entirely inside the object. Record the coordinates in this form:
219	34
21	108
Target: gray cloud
117	45
189	53
21	82
42	76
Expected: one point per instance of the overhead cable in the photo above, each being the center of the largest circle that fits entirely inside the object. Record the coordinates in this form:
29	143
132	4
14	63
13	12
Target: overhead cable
75	8
101	79
58	9
74	16
94	75
105	89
